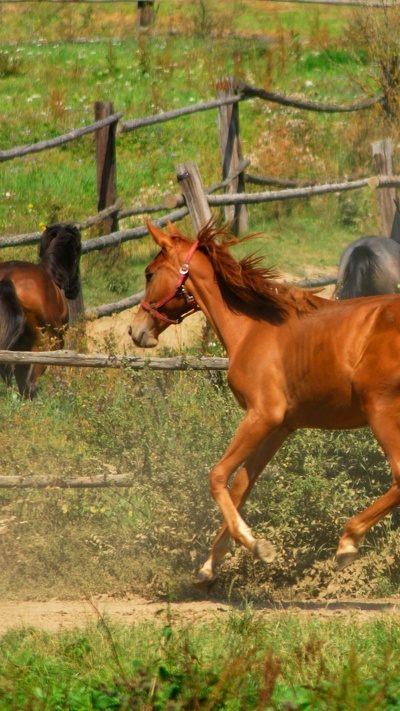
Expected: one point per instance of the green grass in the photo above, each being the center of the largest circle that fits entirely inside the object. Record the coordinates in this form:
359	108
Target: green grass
50	82
168	430
248	661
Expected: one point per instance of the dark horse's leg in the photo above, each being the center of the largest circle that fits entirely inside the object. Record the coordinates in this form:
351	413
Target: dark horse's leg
27	377
385	424
241	488
12	324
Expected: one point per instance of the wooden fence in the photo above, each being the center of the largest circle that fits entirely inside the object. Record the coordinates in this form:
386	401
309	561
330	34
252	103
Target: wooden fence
193	199
109	127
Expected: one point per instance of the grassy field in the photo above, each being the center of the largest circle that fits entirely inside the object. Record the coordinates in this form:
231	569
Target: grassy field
168	430
55	66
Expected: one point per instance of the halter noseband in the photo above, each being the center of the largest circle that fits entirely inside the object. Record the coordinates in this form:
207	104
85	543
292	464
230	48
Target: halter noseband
178	291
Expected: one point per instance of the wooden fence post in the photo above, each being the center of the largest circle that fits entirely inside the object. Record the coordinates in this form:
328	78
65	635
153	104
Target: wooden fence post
106	165
382	152
145	13
231	154
76	311
189	179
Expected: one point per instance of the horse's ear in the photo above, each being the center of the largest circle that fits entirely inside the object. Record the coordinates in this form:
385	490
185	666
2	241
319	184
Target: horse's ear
163	240
173	230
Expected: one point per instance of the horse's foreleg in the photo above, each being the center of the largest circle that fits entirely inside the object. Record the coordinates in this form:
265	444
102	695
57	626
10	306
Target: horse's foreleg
388	435
241	488
254	444
27	376
35	372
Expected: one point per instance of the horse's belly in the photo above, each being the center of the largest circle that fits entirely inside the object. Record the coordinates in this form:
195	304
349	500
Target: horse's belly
328	402
317	415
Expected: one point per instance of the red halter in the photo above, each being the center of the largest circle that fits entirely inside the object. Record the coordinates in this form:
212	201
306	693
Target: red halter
178	291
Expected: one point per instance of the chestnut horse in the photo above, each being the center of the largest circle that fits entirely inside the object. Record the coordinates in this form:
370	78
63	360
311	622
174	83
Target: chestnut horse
33	301
296	360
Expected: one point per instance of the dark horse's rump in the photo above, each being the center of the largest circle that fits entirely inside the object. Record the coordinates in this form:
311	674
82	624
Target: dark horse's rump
33	301
369	266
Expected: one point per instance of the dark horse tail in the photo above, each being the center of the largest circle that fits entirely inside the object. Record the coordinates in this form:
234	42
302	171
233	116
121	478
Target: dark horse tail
12	317
358	274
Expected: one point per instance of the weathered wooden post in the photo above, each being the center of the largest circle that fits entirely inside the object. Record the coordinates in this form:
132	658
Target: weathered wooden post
76	316
76	310
231	153
190	182
106	164
382	153
145	13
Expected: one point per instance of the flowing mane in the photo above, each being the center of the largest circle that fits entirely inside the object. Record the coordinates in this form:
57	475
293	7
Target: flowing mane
246	285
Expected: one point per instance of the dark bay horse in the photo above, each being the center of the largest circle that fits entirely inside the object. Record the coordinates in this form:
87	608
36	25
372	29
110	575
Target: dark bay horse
369	266
33	301
296	360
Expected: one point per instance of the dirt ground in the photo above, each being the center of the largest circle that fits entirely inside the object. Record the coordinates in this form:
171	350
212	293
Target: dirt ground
175	337
58	615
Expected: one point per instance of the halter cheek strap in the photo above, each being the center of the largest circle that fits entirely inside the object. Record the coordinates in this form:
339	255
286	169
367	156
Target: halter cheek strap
178	291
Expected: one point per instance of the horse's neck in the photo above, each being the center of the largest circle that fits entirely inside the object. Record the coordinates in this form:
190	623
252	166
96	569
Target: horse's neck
230	327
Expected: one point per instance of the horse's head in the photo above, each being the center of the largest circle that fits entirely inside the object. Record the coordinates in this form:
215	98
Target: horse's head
166	300
59	251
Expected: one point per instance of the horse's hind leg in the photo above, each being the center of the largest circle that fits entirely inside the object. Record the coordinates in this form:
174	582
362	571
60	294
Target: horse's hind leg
387	432
6	373
27	377
241	488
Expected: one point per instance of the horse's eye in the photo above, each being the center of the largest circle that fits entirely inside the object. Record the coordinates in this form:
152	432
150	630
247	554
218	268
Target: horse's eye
149	277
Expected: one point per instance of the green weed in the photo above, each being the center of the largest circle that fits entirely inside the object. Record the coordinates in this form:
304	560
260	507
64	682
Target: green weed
278	661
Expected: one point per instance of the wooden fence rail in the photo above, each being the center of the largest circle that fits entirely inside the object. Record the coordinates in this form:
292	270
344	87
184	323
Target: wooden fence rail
19	152
245	92
72	359
99	243
38	481
230	92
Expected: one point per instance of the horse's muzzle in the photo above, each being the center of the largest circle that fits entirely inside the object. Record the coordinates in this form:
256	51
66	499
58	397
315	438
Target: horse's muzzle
142	338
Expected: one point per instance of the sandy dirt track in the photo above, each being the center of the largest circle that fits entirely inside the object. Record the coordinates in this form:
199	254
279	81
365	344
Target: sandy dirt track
58	615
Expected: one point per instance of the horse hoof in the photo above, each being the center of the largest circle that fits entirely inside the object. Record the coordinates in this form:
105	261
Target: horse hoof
205	581
265	551
345	559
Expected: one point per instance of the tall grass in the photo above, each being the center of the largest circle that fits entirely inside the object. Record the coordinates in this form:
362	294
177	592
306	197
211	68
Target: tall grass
253	661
